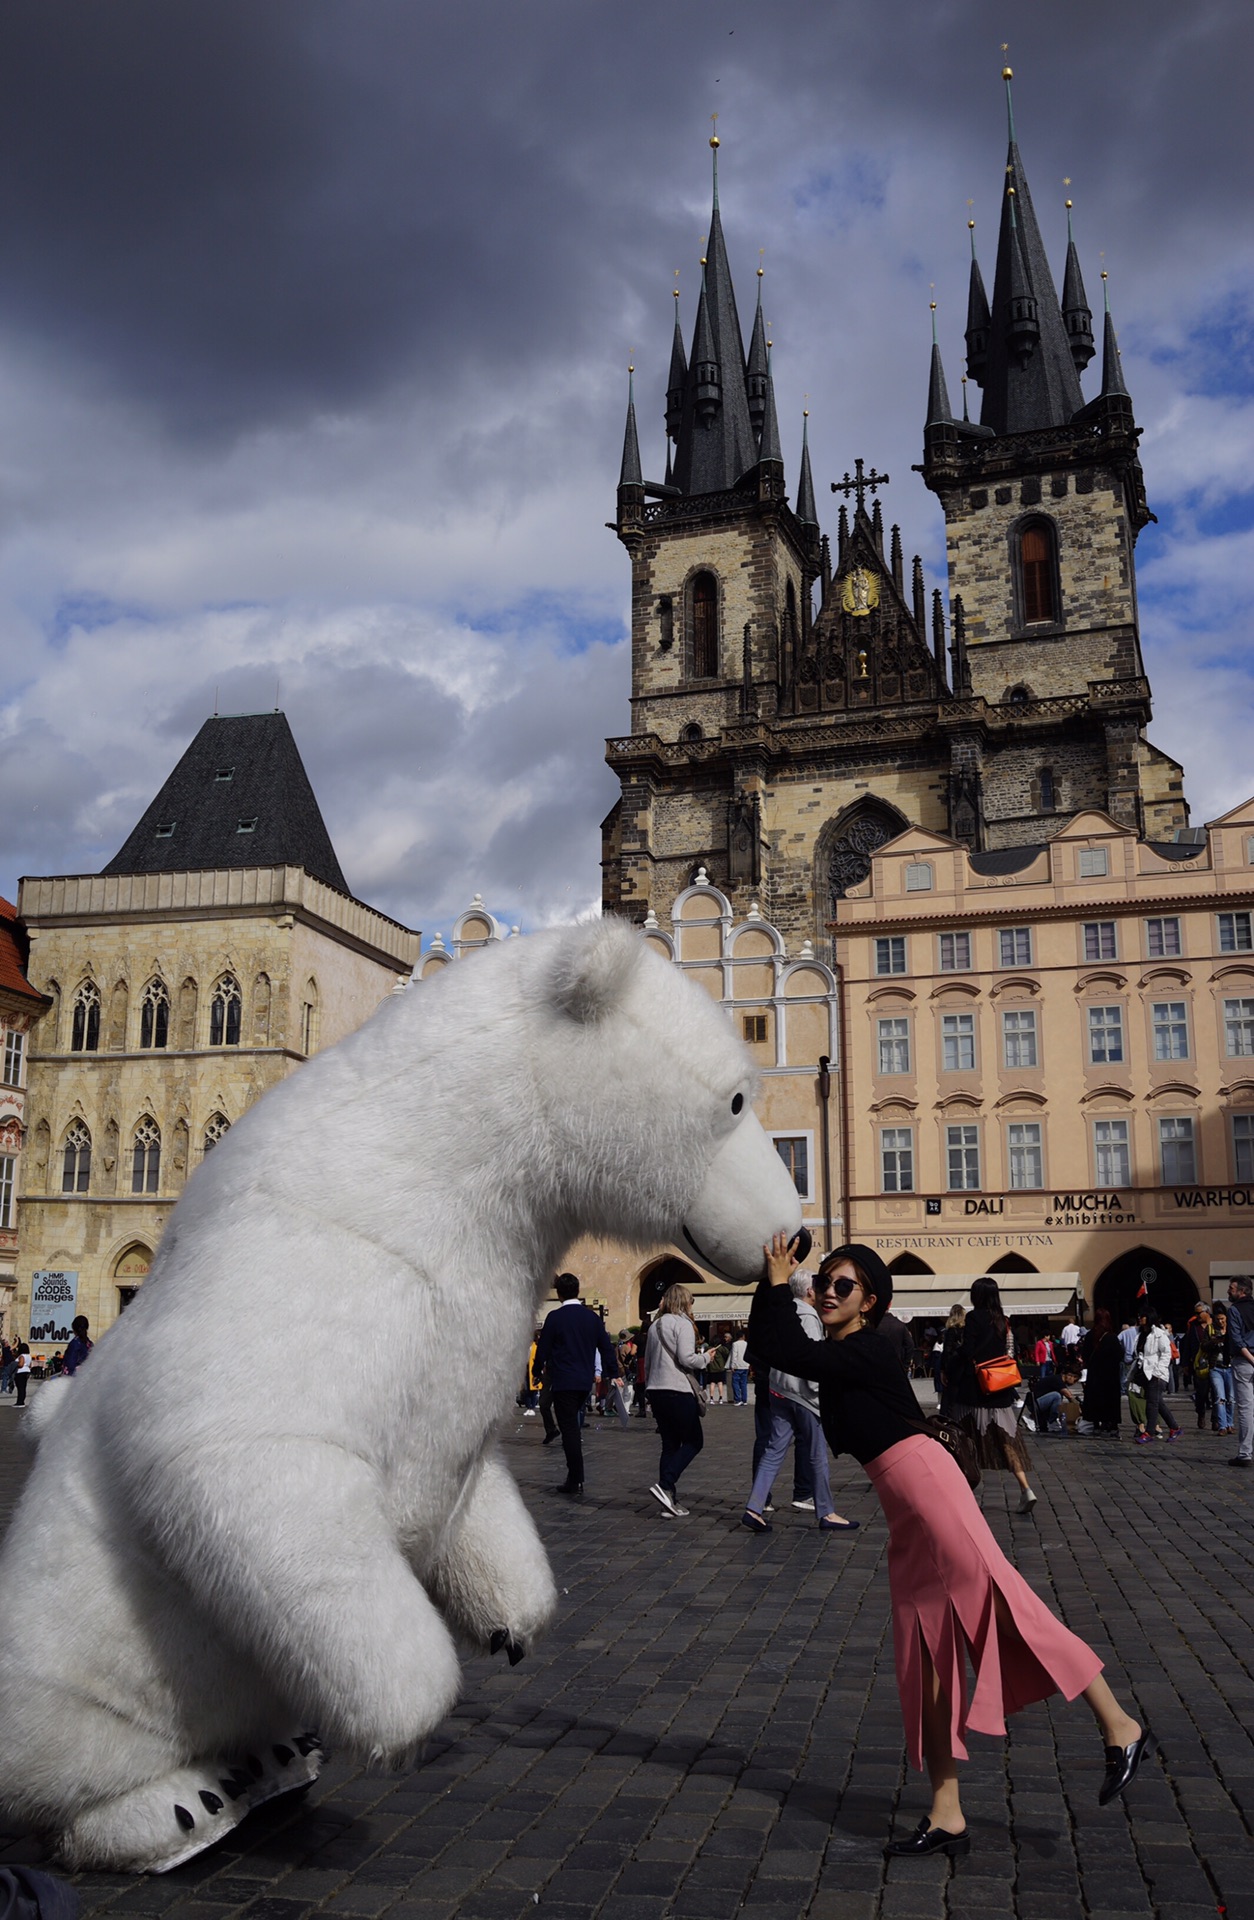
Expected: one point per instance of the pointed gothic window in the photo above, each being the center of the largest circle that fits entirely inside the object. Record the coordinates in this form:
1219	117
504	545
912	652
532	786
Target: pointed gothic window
85	1034
224	1014
76	1166
146	1157
705	649
1038	574
216	1128
154	1015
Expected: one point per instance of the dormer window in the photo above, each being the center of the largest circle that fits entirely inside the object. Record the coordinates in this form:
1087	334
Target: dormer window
165	829
225	773
247	826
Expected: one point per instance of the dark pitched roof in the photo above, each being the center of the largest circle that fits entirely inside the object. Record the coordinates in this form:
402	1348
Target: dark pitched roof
807	512
716	446
239	768
630	474
1003	859
1031	379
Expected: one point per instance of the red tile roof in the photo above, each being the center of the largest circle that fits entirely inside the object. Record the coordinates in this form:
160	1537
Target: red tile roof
13	956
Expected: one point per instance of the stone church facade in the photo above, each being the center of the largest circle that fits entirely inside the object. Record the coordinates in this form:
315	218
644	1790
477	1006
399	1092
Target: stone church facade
798	700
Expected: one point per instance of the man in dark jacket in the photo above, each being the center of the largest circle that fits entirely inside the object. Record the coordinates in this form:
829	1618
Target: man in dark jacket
566	1352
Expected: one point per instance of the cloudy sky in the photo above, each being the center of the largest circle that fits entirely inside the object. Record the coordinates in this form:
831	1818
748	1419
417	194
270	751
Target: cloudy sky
314	322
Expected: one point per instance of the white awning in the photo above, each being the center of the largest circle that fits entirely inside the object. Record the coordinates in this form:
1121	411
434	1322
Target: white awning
929	1296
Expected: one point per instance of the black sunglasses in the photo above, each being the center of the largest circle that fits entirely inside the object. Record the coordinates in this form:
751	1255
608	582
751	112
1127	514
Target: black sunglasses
842	1288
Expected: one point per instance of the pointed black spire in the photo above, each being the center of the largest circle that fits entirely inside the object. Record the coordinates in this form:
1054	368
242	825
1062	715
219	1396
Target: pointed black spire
1112	372
1030	380
807	513
842	533
877	526
895	550
630	474
675	382
938	408
717	445
918	594
757	369
1077	315
825	563
770	448
977	318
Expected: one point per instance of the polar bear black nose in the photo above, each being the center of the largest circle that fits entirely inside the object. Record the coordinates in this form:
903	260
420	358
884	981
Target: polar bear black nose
738	1102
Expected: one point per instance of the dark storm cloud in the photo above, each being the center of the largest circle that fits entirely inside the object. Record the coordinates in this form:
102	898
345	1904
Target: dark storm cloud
313	328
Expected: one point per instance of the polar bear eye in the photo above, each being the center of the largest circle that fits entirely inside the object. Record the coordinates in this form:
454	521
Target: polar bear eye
738	1102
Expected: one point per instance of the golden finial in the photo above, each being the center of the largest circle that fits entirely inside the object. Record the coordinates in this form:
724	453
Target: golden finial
932	305
714	139
1007	73
1067	204
1105	275
1011	192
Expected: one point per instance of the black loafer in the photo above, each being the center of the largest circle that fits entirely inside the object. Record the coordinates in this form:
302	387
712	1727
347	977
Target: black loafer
929	1839
1121	1766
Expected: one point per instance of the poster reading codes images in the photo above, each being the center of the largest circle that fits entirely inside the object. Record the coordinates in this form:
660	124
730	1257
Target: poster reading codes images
53	1304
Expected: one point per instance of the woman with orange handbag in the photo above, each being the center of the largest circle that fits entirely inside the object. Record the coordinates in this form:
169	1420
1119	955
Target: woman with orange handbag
982	1389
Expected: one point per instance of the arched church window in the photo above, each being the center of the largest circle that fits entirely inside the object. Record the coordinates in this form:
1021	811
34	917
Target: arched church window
216	1128
154	1015
1047	797
76	1164
146	1157
705	647
85	1031
224	1013
691	733
1037	573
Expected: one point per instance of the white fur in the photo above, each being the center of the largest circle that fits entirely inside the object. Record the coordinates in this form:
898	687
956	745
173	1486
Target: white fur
271	1497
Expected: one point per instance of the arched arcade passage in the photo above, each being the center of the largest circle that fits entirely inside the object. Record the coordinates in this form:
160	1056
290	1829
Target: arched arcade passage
1168	1288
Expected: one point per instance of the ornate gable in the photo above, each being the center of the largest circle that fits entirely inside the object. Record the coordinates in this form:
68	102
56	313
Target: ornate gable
865	649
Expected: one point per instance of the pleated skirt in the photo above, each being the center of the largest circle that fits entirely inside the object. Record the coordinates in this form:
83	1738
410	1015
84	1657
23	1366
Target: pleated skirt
945	1571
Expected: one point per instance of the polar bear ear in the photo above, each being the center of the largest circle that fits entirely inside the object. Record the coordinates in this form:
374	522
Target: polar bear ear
592	969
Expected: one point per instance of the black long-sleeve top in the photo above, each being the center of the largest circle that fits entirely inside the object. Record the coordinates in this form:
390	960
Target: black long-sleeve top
982	1339
866	1403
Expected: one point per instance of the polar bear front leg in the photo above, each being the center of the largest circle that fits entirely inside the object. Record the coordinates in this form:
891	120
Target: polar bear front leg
290	1547
492	1579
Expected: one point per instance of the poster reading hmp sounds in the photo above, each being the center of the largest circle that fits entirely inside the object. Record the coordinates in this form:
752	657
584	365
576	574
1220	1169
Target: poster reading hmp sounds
53	1304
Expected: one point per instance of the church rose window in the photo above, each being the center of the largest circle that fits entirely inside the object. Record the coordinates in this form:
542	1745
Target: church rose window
849	860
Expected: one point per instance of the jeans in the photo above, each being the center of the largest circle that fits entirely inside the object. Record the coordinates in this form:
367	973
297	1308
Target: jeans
1155	1410
1221	1393
6	1376
568	1406
739	1377
792	1422
679	1429
1047	1405
1243	1394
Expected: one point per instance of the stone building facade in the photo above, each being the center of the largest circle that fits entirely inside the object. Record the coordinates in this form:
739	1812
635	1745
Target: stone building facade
796	702
1050	1062
784	1007
20	1007
176	996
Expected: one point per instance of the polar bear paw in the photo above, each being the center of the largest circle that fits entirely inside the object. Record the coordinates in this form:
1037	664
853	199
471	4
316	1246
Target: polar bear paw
503	1640
170	1820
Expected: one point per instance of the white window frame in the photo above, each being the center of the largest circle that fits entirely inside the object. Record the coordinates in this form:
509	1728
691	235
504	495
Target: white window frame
888	1044
1012	1040
953	1034
894	945
1165	950
8	1189
1112	1136
1243	1148
953	952
1025	1155
1234	932
1170	1141
805	1136
1017	936
14	1056
967	1150
918	876
902	1150
1092	863
1105	934
1239	1028
1169	1019
1104	1030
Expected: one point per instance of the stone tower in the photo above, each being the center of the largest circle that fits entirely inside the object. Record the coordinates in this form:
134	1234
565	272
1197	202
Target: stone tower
1043	502
776	746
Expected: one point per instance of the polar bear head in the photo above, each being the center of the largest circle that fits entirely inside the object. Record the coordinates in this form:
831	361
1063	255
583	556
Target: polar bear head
649	1097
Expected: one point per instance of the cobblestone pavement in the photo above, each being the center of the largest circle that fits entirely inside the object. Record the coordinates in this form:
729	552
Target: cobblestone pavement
712	1727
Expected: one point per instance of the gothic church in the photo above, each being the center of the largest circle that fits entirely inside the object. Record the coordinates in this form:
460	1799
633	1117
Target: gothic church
777	745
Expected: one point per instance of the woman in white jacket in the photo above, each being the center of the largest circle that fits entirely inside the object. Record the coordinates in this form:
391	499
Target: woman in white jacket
1153	1362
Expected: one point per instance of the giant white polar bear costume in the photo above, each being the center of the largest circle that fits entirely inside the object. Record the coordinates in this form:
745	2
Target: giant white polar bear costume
270	1502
